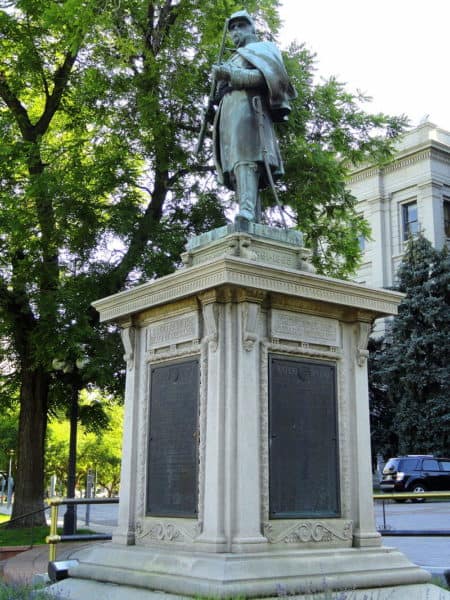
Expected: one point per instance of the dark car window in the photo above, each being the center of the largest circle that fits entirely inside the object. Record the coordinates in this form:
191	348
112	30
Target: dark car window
430	465
407	464
400	464
445	465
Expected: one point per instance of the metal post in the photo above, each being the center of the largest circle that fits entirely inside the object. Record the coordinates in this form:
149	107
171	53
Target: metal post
384	515
51	540
89	485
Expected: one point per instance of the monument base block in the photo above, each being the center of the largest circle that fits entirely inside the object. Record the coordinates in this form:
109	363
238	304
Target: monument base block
246	468
262	574
77	589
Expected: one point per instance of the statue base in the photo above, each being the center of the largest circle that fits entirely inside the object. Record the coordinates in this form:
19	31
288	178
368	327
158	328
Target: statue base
246	455
131	573
252	241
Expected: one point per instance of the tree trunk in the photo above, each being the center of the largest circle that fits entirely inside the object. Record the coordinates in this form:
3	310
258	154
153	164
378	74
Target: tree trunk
29	478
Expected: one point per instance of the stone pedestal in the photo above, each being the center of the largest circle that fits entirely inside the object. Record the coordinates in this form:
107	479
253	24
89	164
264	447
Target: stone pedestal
225	512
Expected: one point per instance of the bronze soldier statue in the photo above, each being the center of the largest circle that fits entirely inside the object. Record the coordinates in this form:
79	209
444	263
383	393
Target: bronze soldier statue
253	92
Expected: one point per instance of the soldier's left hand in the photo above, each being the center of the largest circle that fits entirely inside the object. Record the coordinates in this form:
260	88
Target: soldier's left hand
222	71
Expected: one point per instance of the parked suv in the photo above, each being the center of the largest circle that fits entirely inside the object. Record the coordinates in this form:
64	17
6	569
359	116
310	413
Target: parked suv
416	473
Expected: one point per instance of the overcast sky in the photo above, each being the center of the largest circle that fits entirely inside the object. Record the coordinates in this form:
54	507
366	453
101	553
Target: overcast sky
396	51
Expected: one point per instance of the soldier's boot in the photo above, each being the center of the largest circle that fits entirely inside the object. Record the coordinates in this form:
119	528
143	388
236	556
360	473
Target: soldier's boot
247	180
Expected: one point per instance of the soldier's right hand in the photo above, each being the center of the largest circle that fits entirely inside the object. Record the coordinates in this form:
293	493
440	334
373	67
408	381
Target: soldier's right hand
222	72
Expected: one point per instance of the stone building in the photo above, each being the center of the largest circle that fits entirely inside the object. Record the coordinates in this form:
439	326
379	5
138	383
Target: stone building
410	194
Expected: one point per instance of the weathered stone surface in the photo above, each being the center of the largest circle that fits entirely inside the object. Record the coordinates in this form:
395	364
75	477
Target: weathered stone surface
232	313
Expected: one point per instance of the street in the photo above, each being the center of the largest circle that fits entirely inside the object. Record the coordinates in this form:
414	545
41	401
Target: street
431	553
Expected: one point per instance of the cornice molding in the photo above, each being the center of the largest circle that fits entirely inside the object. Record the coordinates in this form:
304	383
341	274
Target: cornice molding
432	150
245	273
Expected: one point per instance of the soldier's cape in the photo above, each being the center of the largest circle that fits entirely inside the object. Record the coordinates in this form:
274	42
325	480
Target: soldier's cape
266	57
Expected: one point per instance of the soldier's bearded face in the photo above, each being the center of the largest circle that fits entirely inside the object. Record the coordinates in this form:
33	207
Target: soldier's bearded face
240	30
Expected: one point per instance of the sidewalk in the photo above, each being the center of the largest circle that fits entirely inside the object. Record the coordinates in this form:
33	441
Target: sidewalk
24	567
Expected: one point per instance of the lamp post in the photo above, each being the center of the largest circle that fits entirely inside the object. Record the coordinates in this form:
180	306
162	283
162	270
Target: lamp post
10	480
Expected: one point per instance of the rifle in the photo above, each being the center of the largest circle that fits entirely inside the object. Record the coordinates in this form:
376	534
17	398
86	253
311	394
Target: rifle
212	92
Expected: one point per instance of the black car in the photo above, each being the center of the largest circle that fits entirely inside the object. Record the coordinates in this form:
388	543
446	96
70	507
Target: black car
416	473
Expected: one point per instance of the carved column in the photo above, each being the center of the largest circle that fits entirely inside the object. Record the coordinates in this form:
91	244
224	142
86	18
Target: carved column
213	434
365	533
248	493
125	531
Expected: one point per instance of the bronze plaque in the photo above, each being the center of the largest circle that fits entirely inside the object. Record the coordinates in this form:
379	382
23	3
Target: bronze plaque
173	440
303	443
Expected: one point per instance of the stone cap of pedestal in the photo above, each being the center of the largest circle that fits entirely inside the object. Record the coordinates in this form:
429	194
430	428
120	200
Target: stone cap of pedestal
243	273
253	241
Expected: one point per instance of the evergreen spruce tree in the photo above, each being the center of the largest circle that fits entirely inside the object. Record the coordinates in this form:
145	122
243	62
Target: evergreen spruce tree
411	374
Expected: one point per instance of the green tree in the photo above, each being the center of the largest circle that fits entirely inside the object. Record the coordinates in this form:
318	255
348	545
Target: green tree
100	108
98	448
410	370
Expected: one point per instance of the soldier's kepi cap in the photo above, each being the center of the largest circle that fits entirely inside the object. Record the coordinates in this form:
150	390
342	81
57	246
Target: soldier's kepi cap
241	15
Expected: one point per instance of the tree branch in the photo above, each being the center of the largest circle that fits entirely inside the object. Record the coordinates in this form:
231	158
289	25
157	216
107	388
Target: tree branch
182	172
60	80
18	110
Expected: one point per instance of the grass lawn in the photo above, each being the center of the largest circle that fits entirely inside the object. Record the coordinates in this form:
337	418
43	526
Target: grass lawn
23	536
26	536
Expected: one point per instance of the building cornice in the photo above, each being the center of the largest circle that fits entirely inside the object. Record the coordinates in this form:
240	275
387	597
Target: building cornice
431	149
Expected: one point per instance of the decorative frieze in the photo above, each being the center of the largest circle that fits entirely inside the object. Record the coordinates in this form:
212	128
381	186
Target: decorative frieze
309	329
166	531
305	532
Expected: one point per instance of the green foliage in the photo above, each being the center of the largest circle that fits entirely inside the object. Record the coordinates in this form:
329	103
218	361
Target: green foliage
8	435
10	591
99	445
410	371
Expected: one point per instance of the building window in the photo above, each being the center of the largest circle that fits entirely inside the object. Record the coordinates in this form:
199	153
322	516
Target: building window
410	220
362	243
447	217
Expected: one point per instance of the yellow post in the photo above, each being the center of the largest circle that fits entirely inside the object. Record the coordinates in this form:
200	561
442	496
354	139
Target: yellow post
53	538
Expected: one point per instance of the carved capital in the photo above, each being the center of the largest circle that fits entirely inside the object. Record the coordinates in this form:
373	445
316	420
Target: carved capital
210	320
250	312
128	335
362	333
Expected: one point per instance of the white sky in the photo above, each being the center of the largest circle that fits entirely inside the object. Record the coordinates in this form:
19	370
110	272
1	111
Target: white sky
396	51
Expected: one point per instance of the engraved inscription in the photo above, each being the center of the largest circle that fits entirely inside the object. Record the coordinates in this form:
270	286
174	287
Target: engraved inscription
279	258
304	328
172	464
173	331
